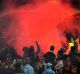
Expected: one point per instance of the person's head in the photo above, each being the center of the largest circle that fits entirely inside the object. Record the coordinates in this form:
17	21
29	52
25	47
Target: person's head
61	52
73	49
27	60
31	49
25	49
48	65
52	48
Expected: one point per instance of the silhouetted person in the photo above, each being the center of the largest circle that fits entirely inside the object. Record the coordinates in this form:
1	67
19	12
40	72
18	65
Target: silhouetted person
10	50
76	46
61	53
25	52
72	54
48	69
77	58
28	68
34	55
50	56
18	68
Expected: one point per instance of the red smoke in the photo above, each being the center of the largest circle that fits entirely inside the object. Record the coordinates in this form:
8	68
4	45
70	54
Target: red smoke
41	22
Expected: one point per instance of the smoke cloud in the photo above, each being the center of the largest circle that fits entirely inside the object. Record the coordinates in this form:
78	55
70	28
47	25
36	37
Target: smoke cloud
49	22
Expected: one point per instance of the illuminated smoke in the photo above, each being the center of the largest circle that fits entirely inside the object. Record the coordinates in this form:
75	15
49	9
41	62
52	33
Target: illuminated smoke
8	31
72	27
44	22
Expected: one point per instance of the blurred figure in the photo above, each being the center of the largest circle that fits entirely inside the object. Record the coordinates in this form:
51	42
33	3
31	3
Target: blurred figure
61	53
33	56
41	65
18	68
25	52
50	56
59	66
72	54
48	69
28	69
67	67
76	69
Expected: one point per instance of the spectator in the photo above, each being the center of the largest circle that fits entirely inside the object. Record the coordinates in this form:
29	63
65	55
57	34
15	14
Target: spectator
28	69
34	55
61	53
50	56
67	67
25	52
18	68
59	66
48	69
77	58
72	54
41	65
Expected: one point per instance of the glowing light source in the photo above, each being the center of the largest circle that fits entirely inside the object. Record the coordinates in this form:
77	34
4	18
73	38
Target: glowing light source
71	44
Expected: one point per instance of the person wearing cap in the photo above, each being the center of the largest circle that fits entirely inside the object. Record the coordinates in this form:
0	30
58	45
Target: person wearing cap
28	69
48	69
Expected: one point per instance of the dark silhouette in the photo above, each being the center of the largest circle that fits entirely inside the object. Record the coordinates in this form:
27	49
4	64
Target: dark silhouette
50	56
25	52
75	4
11	62
1	5
33	56
61	53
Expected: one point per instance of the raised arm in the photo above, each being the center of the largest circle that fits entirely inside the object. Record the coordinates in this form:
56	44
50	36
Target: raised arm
38	47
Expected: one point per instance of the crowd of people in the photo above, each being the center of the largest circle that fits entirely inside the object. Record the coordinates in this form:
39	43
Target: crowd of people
32	63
